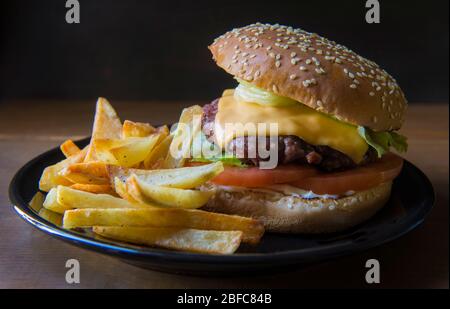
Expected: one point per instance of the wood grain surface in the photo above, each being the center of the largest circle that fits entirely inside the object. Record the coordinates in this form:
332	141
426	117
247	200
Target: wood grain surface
32	259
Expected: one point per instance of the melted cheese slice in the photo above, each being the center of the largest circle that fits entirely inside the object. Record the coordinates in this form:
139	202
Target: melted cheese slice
313	127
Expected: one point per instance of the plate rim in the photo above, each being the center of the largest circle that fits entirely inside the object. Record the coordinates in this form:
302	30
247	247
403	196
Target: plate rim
296	256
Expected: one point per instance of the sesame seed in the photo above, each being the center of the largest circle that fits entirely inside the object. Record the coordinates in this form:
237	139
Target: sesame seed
293	76
294	61
302	68
308	61
277	64
275	88
371	94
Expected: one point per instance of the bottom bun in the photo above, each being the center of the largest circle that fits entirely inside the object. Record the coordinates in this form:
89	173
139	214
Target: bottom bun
293	214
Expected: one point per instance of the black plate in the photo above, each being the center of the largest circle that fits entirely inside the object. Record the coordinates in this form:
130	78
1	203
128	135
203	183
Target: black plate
412	199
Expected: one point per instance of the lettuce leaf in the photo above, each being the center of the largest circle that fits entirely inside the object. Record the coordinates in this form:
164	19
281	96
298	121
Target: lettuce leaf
227	160
382	141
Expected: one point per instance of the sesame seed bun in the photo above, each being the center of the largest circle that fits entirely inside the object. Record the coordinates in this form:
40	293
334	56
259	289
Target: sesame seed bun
317	72
292	214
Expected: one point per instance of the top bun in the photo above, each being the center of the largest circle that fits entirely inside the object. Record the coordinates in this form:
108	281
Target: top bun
317	72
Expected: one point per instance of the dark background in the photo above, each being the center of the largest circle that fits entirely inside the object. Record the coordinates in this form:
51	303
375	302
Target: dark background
141	50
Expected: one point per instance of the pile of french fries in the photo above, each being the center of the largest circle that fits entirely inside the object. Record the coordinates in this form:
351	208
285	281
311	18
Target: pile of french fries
127	186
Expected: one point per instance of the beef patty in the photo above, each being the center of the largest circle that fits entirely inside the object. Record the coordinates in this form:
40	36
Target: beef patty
291	149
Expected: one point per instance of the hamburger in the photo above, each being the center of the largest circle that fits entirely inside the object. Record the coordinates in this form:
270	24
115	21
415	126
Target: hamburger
336	114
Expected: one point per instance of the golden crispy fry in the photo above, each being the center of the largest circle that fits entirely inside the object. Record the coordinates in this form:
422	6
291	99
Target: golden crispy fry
188	126
172	197
86	173
136	151
69	198
51	216
37	201
158	154
50	177
51	201
102	147
165	217
136	129
122	173
125	152
212	242
95	168
97	189
121	189
181	178
164	130
228	92
106	126
69	148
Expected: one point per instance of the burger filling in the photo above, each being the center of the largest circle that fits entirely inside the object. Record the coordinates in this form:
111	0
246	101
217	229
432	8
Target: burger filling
291	149
315	152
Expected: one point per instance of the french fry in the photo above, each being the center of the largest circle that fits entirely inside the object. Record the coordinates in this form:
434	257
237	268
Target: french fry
37	201
181	178
102	147
121	189
69	148
188	126
172	197
212	242
136	129
51	201
159	153
97	189
136	151
86	173
69	198
125	152
95	168
50	176
164	130
106	126
51	216
165	217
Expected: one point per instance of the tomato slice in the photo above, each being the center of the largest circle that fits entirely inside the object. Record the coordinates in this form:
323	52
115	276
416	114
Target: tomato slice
254	177
308	178
359	179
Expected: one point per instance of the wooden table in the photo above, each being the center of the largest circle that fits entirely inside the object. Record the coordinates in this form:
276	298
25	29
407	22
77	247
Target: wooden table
32	259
